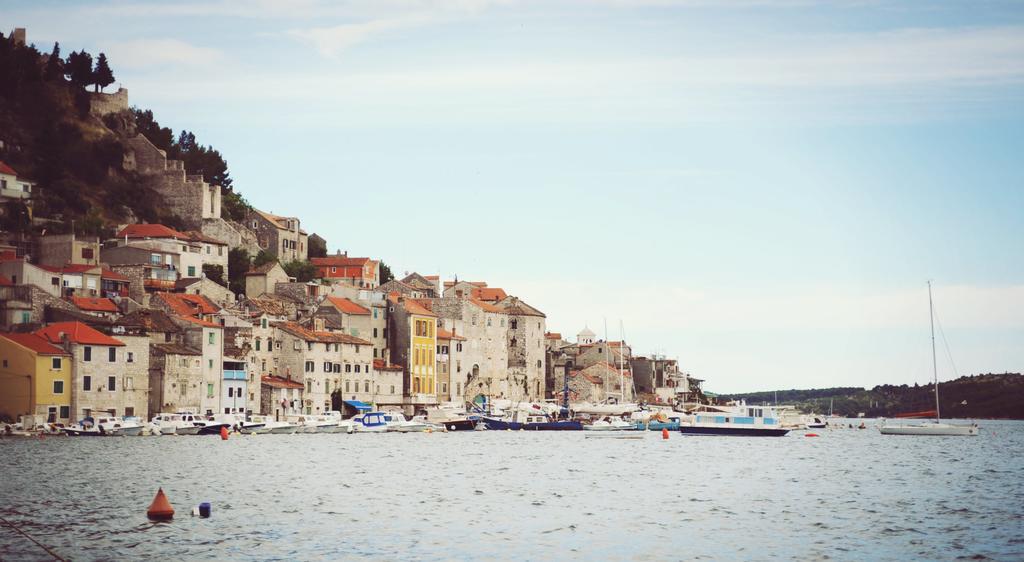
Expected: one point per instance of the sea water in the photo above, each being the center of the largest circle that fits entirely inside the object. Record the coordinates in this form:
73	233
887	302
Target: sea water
846	495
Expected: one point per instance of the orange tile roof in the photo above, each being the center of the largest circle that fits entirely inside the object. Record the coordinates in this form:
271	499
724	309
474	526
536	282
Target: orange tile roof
5	169
188	305
94	304
491	294
76	332
151	231
199	321
379	365
443	334
322	337
34	342
112	275
485	306
280	382
413	306
338	261
553	336
347	306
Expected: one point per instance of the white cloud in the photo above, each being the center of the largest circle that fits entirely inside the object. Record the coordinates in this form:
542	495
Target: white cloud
155	54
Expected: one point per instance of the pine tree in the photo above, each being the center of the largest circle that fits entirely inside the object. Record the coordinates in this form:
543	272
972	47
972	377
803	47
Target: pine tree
102	76
54	65
78	68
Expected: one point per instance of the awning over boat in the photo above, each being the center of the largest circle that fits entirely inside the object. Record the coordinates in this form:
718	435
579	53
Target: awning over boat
359	405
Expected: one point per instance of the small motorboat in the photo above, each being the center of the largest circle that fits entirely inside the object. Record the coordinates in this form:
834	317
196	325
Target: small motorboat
416	424
94	427
612	424
371	422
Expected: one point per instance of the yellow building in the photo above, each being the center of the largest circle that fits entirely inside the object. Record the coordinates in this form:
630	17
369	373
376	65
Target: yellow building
35	379
423	369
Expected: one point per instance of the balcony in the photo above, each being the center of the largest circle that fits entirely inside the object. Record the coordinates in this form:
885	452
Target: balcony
234	375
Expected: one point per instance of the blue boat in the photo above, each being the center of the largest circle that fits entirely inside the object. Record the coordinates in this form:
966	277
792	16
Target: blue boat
532	422
742	420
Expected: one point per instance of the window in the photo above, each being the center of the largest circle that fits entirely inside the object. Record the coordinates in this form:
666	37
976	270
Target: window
502	322
309	346
458	346
167	336
87	353
58	387
129	411
458	388
309	386
191	271
348	367
375	329
366	386
512	324
337	367
210	361
65	412
310	366
327	367
357	368
375	352
111	354
257	344
131	357
209	390
375	315
55	281
86	382
86	253
111	384
488	322
211	337
392	389
184	388
263	323
129	384
55	363
348	386
444	387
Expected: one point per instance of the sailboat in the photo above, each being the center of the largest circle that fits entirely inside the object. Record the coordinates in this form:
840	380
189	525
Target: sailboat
936	428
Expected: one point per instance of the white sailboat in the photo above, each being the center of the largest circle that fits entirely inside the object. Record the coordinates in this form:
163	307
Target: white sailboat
936	427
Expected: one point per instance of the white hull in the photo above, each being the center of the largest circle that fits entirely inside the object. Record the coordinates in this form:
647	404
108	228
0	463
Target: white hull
284	430
194	430
929	429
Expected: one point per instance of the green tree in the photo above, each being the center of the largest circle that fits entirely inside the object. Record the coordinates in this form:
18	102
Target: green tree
78	68
233	206
54	65
238	266
215	272
385	273
263	257
302	271
102	75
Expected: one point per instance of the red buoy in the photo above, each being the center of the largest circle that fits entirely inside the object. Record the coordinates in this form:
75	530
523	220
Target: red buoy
810	435
224	432
664	433
160	509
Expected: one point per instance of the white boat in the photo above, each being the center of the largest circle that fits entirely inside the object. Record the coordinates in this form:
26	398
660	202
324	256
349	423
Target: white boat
371	422
397	422
336	423
269	425
99	426
936	427
813	421
610	409
610	424
740	420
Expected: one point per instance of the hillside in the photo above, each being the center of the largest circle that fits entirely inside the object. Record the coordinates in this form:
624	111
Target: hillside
76	159
998	396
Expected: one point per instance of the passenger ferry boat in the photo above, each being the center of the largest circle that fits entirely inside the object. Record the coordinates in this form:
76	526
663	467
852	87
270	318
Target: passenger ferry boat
751	421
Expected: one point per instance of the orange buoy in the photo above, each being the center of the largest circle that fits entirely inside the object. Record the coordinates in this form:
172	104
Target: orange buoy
224	432
664	433
160	509
810	435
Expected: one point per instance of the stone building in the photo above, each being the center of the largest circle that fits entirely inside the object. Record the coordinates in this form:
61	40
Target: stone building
526	353
207	287
261	280
187	196
192	249
61	249
451	377
485	352
324	362
175	378
281	236
280	397
102	381
601	382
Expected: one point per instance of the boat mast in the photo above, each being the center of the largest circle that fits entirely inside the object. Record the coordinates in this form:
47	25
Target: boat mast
605	377
622	345
935	369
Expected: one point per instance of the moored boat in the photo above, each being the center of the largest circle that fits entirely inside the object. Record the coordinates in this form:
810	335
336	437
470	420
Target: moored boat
742	420
371	422
531	422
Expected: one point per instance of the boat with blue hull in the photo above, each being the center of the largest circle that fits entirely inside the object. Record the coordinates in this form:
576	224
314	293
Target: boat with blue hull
531	422
742	421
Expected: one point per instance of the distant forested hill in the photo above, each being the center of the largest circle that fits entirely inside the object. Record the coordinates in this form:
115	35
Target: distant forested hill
977	396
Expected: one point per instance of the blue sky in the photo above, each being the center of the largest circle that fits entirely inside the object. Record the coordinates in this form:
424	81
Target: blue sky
760	189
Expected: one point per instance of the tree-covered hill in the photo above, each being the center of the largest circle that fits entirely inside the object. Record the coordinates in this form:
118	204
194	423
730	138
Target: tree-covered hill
75	160
977	396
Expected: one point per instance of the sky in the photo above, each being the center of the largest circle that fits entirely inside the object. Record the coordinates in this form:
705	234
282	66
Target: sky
759	189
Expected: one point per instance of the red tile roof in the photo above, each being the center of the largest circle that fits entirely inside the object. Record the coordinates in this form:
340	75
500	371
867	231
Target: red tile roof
338	261
446	335
321	337
94	304
379	365
485	306
490	294
112	275
347	306
76	332
188	305
34	342
280	382
413	306
5	169
199	321
151	231
553	336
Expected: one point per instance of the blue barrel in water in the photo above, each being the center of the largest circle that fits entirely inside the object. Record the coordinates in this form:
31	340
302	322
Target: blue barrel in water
204	509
